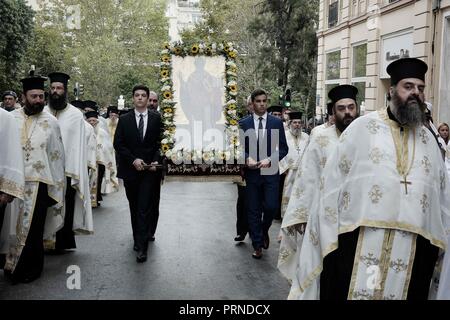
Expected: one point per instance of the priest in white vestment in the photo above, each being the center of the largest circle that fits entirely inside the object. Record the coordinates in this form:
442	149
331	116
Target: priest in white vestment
90	105
329	121
304	198
12	176
77	206
384	210
105	160
297	142
43	155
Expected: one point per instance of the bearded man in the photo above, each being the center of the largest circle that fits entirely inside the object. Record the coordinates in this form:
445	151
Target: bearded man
384	209
77	205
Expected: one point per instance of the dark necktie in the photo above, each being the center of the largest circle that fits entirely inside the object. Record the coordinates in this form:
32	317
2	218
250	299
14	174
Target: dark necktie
141	126
260	136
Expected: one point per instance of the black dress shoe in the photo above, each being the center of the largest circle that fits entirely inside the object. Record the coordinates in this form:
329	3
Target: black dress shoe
239	237
141	256
257	254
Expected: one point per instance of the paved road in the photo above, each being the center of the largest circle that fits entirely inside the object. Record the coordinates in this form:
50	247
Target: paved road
194	255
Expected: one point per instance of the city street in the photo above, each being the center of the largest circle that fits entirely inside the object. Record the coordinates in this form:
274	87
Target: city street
194	255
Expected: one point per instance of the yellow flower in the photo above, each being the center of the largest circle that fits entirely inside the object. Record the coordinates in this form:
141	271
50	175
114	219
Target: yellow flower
165	147
232	107
208	51
164	73
166	45
233	88
234	140
226	48
177	51
165	58
232	54
195	49
168	110
233	122
167	95
172	129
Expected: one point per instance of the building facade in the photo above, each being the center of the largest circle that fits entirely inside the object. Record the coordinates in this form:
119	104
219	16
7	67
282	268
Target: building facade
182	14
357	39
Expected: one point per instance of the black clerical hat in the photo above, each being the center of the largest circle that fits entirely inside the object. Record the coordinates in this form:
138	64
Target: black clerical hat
275	108
78	104
9	93
32	83
91	114
113	109
91	104
330	108
295	115
59	77
343	92
406	68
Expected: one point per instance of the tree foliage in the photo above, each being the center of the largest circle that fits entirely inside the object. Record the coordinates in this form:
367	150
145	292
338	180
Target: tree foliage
16	28
276	40
117	40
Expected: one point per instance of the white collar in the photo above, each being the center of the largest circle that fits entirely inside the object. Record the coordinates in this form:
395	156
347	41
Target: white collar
256	117
138	114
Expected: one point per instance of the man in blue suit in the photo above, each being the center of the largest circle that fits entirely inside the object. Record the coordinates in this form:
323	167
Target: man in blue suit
265	146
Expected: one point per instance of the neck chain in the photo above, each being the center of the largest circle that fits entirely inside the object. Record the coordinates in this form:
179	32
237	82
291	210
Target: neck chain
26	135
402	152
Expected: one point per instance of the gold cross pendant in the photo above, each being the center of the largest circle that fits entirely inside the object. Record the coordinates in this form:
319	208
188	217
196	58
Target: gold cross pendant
406	184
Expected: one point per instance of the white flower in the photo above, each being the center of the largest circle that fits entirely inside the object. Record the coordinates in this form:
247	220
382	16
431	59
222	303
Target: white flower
168	154
165	51
166	88
167	115
231	64
164	141
163	80
232	93
231	74
231	83
214	46
231	102
231	112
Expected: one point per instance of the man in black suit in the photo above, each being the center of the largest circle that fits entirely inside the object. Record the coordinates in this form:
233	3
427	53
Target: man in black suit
137	142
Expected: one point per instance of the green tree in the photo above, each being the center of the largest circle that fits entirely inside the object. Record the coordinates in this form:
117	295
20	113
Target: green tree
16	28
115	39
286	30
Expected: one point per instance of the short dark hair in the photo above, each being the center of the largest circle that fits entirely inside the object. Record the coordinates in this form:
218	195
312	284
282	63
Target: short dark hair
258	92
141	87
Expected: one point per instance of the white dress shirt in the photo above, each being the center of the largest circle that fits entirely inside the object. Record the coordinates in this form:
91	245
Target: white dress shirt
145	117
256	122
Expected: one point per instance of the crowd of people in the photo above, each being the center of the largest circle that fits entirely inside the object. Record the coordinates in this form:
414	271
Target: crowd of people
58	161
363	200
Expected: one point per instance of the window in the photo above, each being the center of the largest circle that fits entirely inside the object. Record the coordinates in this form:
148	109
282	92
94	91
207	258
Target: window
333	65
359	61
358	7
333	13
359	70
333	70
